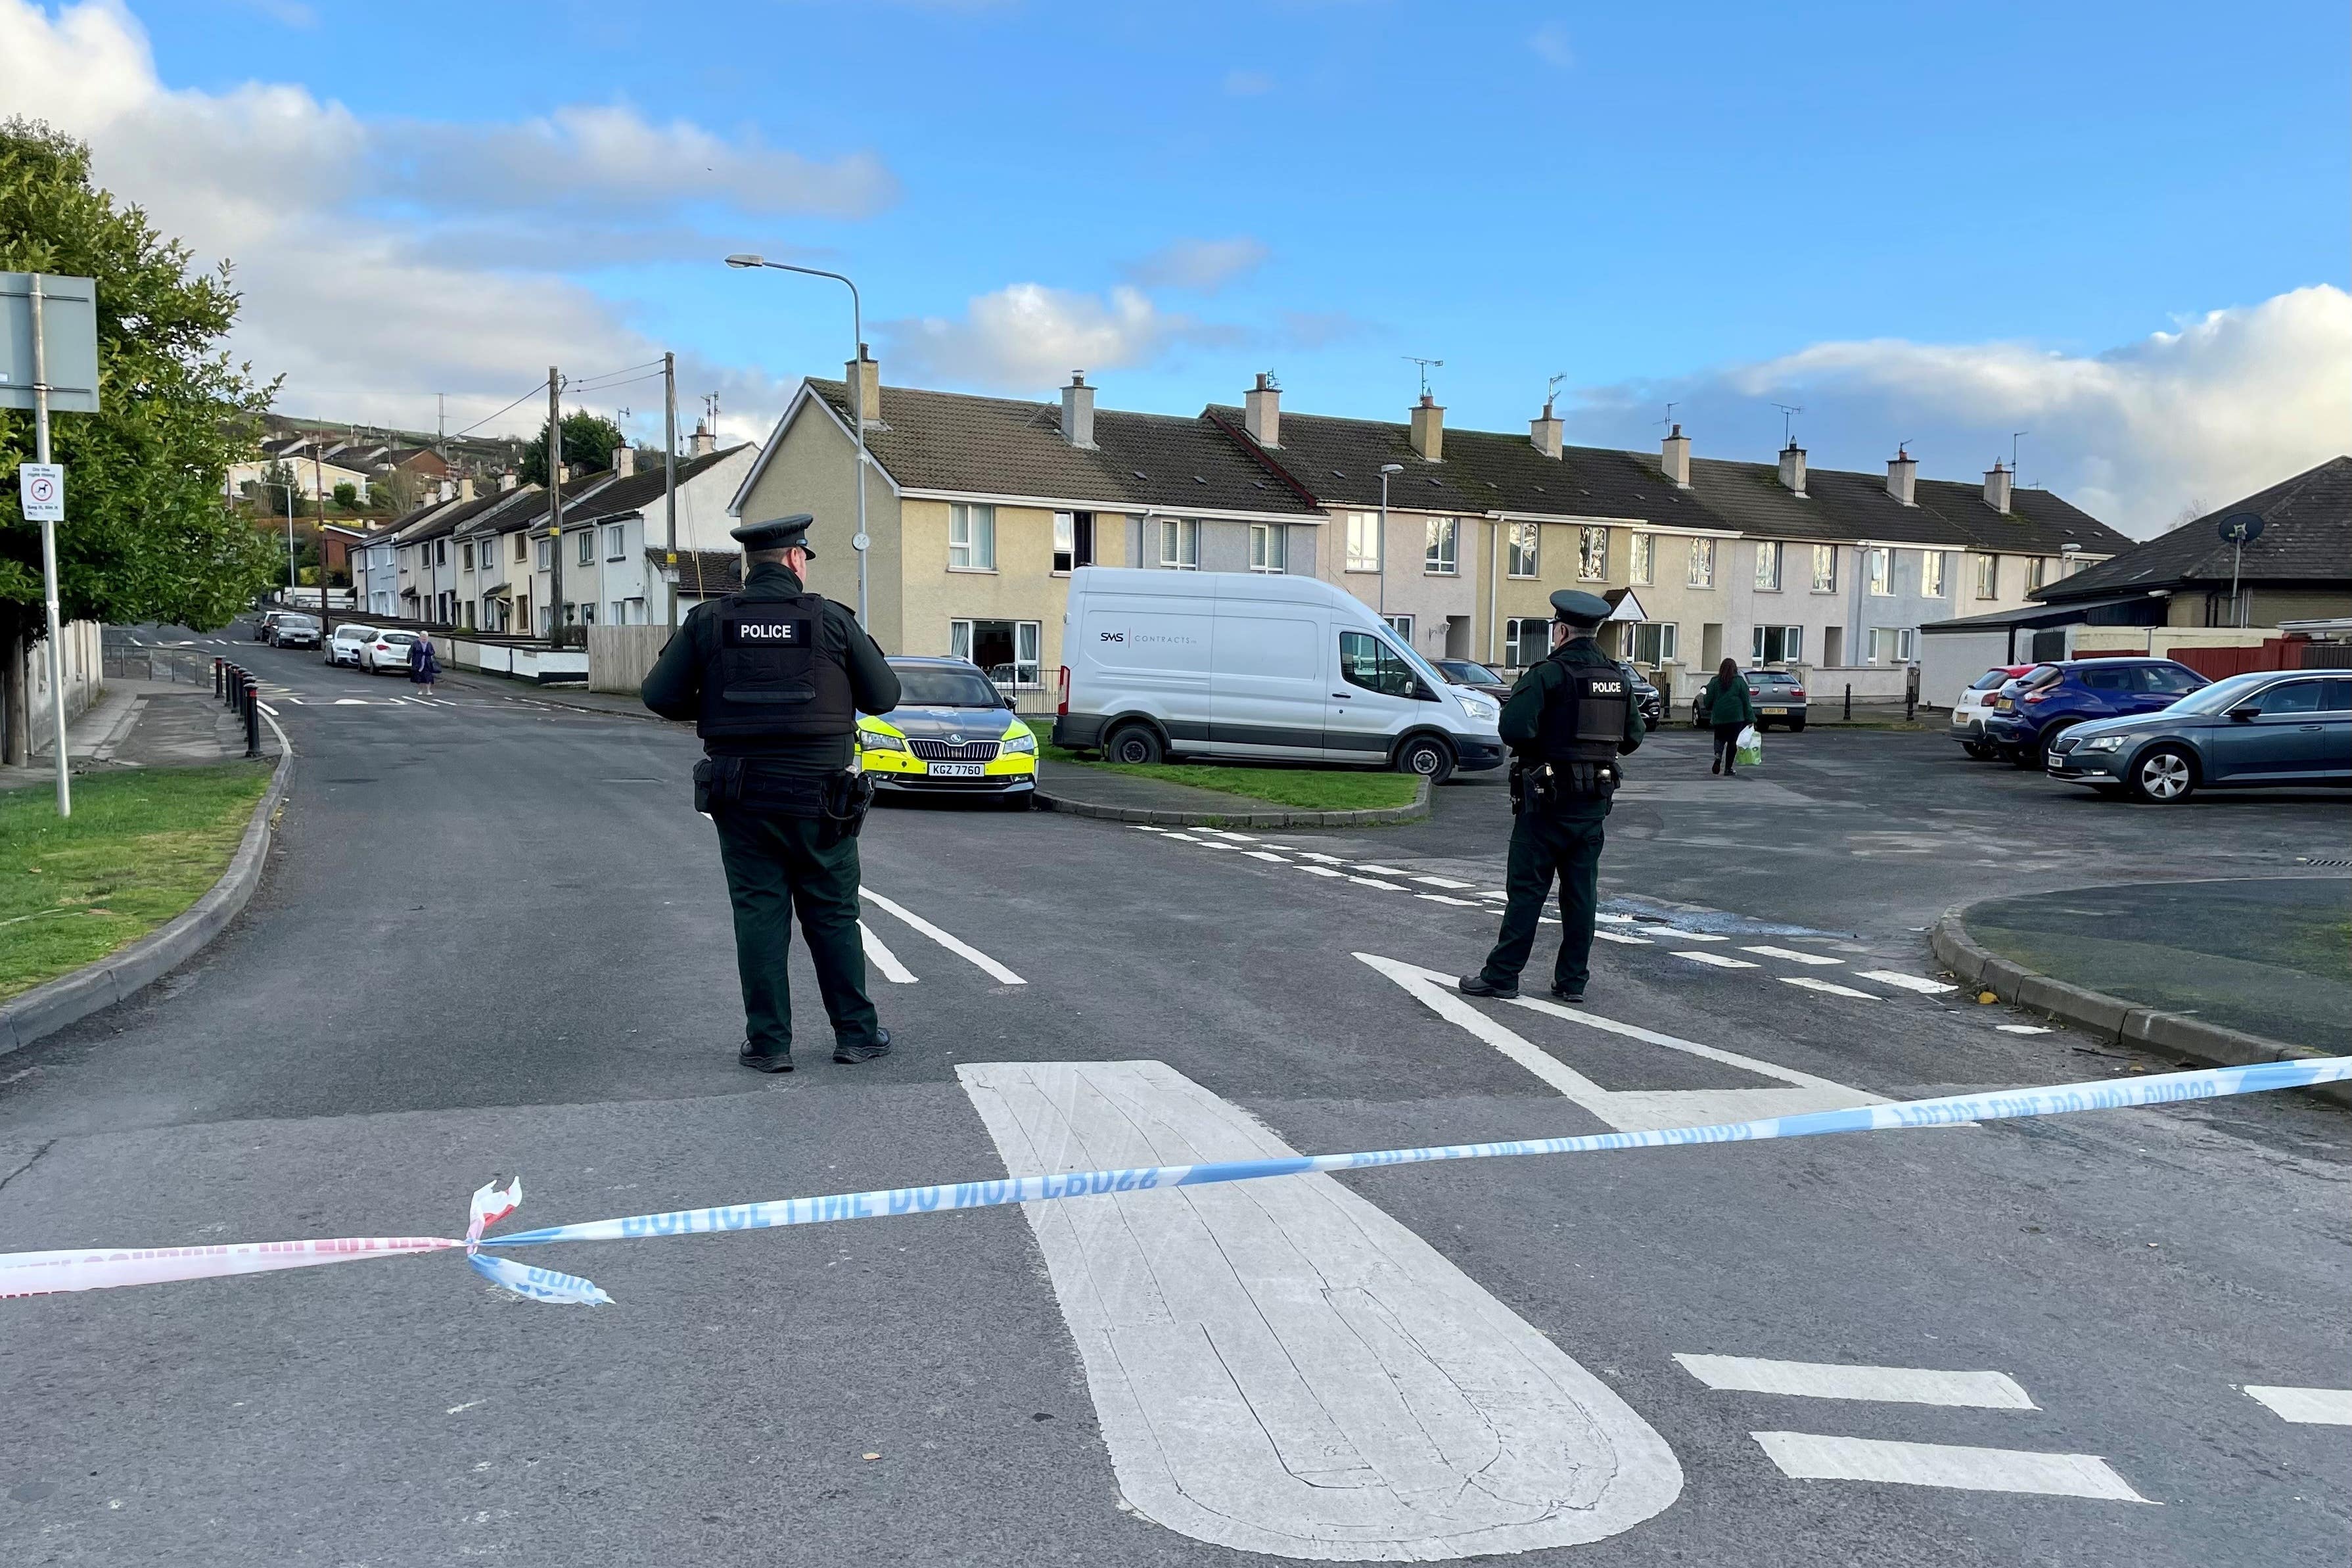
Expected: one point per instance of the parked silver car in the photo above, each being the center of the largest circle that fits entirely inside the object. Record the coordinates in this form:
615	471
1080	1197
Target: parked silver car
343	648
2266	729
287	630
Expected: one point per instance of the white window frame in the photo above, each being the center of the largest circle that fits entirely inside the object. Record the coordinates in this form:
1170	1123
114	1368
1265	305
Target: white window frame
546	562
1592	553
1898	640
2037	572
1402	626
959	639
1793	645
1363	544
1522	634
585	555
466	555
1664	638
1028	664
1066	542
1824	568
1767	565
1524	550
1702	563
616	542
1988	576
1270	547
1442	556
1180	544
971	536
1879	561
1641	557
1931	574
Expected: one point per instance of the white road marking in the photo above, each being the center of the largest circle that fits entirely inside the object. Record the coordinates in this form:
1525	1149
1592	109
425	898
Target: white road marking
1448	898
1619	936
1615	920
884	958
264	707
1266	855
1215	844
1319	856
2308	1406
1793	955
1890	1385
1146	828
1683	935
1826	987
1224	832
1716	959
1280	1367
1926	987
1184	837
1627	1110
1369	868
2022	1029
1808	1457
350	701
962	950
1440	882
1494	892
1318	871
1376	882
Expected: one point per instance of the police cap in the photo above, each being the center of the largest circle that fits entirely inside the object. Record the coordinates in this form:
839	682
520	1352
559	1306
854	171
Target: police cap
778	533
1577	609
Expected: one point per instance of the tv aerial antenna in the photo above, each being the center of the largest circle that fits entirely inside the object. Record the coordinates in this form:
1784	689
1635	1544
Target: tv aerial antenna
1427	366
1788	412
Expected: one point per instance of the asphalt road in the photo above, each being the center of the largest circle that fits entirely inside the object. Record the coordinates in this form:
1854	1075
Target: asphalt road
492	939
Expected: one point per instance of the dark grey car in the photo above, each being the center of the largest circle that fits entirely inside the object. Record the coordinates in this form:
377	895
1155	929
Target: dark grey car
2266	729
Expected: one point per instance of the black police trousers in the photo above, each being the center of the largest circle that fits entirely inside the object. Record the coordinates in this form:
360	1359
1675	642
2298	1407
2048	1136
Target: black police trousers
1544	845
777	864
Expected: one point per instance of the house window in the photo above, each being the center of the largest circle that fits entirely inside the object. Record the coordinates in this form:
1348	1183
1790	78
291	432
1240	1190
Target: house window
1654	643
585	553
972	538
1006	651
1180	544
1988	576
521	545
1640	551
1438	561
1364	542
617	539
2037	572
587	614
1778	645
1526	641
1402	626
1882	573
440	552
1890	645
466	555
620	613
1073	540
1767	565
1592	555
1824	568
546	553
1931	575
1368	663
1270	547
1702	563
1525	557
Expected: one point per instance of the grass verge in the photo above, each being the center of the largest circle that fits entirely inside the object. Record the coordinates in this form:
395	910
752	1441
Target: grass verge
138	850
1306	789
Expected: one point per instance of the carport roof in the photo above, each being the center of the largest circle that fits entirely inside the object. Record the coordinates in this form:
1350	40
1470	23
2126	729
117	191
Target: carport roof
2033	614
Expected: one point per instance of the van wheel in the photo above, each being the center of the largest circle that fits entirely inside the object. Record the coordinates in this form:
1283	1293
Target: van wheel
1135	744
1426	756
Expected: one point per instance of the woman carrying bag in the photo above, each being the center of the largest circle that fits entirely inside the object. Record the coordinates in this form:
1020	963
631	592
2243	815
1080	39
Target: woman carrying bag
424	665
1731	707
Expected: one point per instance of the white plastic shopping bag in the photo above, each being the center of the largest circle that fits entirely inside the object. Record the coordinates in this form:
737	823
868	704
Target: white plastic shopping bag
1751	752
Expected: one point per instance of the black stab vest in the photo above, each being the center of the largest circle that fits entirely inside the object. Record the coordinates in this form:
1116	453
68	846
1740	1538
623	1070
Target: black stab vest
771	676
1584	715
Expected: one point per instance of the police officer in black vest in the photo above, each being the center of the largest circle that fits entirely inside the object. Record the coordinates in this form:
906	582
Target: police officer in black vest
774	678
1566	722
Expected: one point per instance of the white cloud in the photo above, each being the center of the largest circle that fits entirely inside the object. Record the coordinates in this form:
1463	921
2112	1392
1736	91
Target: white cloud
1027	338
1201	266
2217	407
1551	46
337	223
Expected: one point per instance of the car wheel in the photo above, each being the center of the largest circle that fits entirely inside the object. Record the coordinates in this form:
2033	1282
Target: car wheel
1135	744
2165	775
1978	750
1427	757
1796	726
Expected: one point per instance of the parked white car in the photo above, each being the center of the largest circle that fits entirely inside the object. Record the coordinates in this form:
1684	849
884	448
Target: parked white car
1970	707
1237	664
387	653
343	648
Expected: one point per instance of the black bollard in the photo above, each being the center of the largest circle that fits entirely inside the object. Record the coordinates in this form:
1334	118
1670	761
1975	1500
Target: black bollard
252	719
1849	700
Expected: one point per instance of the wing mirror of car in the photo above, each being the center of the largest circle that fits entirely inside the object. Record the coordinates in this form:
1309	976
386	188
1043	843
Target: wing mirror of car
1007	700
2246	711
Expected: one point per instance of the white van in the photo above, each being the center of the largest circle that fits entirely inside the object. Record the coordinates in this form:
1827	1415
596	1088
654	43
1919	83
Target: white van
1238	664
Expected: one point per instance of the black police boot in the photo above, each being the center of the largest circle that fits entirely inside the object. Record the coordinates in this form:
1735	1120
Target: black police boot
849	1054
1479	986
1571	994
782	1061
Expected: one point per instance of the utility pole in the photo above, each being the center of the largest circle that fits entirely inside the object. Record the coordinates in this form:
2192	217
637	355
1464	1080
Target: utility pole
554	505
49	563
319	485
670	489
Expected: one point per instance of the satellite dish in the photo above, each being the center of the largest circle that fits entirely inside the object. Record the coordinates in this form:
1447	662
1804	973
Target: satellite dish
2242	527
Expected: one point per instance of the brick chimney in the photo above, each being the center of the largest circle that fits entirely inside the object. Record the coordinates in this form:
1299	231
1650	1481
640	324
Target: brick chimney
625	460
1998	483
865	380
1903	477
702	443
1428	430
1544	432
1793	468
1079	413
1262	411
1674	459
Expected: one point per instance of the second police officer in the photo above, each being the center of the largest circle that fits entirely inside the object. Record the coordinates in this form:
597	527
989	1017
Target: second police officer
1567	721
774	678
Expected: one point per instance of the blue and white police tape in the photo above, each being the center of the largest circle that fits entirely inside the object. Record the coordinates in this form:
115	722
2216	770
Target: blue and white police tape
38	1273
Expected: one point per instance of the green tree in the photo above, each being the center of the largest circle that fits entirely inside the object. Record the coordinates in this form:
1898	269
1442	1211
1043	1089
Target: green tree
589	443
147	536
347	495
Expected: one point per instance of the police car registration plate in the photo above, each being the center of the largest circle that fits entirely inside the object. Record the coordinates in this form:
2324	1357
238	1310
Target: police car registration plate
953	769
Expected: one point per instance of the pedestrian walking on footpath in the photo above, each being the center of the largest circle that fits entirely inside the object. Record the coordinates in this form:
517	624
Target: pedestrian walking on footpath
424	665
774	678
1566	722
1731	707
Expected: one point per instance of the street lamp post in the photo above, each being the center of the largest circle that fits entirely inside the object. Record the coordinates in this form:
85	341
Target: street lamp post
857	396
1386	469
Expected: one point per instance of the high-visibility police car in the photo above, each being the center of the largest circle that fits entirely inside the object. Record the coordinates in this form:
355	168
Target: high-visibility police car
952	733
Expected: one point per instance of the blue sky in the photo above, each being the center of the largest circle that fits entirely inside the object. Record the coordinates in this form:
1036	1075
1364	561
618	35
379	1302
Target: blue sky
1893	216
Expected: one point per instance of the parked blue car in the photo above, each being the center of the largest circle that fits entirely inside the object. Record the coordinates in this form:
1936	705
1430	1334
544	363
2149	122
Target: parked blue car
2267	730
2050	699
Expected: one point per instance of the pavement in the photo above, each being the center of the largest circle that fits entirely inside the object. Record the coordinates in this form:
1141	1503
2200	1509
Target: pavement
494	939
2267	956
143	723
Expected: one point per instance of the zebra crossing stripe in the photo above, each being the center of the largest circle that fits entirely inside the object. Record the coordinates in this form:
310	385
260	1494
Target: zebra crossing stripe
1827	987
1903	982
1832	1380
1716	959
1810	1456
2306	1407
1791	954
